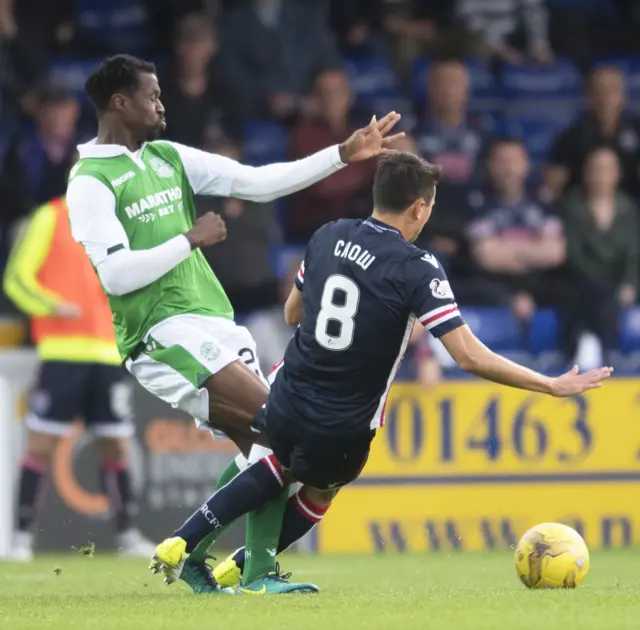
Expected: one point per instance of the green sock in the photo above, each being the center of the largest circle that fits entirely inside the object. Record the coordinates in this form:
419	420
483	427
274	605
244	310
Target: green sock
200	552
263	533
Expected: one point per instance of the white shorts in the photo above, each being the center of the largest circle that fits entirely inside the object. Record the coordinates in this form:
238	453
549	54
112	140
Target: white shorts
183	351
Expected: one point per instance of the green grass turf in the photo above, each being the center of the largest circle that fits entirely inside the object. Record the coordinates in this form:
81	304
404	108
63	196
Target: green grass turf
452	592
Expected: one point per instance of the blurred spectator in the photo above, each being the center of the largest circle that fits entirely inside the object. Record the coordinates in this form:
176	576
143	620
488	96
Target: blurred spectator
23	41
513	240
447	135
273	49
52	281
508	29
94	28
104	27
267	326
602	253
165	14
415	27
606	122
37	163
412	27
243	261
197	98
347	192
356	25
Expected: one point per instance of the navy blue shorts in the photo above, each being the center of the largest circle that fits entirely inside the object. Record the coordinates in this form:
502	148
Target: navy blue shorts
315	458
99	395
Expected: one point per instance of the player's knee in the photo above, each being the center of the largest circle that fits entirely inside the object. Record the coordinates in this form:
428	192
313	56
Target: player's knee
40	445
113	449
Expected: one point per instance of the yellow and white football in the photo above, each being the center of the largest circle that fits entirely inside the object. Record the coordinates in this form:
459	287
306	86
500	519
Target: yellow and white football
552	555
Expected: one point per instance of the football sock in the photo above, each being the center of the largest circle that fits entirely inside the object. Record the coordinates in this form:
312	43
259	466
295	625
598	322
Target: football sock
115	482
249	490
228	474
199	554
300	517
32	474
263	532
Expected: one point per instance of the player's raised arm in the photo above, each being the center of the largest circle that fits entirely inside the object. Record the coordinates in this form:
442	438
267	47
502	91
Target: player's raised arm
211	174
94	224
433	300
474	357
404	195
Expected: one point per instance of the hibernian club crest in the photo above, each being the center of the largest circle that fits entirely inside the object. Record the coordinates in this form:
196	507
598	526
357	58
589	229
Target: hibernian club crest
161	168
209	351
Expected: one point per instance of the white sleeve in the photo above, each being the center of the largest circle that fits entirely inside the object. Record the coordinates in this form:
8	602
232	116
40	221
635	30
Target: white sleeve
94	224
92	214
211	174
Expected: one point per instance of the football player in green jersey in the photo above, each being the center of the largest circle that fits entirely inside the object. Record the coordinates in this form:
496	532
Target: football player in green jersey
131	205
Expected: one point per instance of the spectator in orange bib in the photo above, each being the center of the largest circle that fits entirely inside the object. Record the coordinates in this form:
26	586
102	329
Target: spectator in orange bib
50	278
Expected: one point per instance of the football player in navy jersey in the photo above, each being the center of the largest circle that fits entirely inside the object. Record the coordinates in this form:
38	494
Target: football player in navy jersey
359	291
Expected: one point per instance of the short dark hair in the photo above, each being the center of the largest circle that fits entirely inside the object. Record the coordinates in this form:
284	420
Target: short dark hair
195	26
401	179
53	94
115	74
508	141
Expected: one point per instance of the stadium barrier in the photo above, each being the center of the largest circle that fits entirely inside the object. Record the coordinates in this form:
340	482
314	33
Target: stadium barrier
469	466
473	465
174	468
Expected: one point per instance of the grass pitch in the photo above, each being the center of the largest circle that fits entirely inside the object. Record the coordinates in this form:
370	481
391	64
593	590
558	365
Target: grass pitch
435	592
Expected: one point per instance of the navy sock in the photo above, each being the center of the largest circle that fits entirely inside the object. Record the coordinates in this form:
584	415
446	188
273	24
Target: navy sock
115	482
32	474
247	491
300	517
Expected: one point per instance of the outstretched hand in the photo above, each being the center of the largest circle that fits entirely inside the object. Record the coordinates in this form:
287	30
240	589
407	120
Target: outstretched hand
572	383
371	140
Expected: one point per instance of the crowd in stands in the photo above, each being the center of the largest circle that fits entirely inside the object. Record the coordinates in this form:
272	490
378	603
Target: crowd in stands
529	105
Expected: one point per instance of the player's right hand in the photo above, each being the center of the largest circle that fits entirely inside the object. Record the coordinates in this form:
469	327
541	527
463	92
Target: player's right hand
572	383
68	311
209	229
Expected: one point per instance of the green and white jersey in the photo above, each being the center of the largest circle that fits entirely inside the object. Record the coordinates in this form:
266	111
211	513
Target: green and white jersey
133	208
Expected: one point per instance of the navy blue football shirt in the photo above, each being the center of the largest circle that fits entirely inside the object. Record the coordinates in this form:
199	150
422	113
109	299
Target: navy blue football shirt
363	285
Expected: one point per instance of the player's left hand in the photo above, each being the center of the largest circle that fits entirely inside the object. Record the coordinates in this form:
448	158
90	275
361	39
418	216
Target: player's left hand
370	141
573	383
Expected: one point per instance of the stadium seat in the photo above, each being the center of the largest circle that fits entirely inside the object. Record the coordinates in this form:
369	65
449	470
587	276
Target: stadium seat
384	104
494	122
629	323
544	331
371	79
534	88
265	142
486	92
72	73
284	256
538	130
495	327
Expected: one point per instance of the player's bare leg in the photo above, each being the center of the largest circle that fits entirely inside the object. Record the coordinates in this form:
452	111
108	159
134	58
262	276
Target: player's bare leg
116	484
236	396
